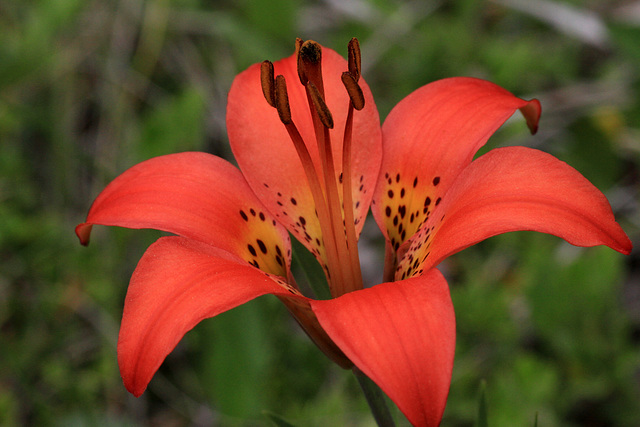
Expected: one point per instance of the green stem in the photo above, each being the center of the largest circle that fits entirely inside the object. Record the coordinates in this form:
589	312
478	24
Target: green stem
375	398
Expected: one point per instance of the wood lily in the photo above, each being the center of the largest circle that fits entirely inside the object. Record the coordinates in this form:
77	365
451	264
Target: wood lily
313	159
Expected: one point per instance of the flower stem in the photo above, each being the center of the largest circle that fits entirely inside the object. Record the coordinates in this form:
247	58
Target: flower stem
375	398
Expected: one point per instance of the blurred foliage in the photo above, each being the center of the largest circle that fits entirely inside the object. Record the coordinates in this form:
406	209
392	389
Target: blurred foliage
89	88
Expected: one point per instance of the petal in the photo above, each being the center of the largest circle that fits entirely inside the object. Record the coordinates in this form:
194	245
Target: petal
401	335
177	283
195	195
509	189
267	156
428	139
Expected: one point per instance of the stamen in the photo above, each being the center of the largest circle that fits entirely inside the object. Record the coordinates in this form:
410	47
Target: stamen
354	90
347	200
350	80
321	108
336	216
322	207
282	100
354	58
266	79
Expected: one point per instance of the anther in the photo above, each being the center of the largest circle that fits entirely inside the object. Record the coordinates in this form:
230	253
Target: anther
354	58
321	108
354	90
267	81
282	100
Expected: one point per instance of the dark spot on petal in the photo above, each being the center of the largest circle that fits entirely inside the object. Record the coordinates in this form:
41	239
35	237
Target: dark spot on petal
244	215
252	250
436	180
262	246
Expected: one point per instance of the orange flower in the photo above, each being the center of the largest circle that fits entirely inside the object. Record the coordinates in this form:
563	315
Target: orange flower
305	132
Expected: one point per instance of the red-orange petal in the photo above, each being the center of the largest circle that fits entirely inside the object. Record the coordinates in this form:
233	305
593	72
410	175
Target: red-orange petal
267	156
428	139
194	195
510	189
177	283
401	335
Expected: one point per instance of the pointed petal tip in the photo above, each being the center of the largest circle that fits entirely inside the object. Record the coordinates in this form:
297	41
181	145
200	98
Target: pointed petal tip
136	389
531	113
625	247
83	231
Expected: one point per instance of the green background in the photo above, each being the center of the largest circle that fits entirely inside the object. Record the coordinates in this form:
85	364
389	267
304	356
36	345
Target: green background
89	88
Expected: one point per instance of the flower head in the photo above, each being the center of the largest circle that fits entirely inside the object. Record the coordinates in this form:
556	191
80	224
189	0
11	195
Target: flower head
306	134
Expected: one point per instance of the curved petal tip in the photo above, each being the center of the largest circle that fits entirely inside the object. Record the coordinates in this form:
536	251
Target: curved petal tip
83	231
531	113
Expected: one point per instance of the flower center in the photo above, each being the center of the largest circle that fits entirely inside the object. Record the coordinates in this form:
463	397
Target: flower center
332	192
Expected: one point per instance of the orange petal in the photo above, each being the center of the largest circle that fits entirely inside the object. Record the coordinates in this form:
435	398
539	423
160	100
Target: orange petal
509	189
428	139
195	195
267	156
402	336
177	283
